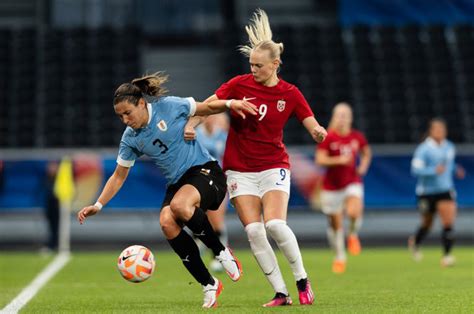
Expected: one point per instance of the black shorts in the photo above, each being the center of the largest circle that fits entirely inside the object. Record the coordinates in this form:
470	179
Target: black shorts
427	203
208	179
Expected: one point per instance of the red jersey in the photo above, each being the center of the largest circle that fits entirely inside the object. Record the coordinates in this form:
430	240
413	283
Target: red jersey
338	177
255	143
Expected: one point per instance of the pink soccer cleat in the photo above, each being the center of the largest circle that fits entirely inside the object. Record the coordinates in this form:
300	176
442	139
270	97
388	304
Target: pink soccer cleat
279	300
306	296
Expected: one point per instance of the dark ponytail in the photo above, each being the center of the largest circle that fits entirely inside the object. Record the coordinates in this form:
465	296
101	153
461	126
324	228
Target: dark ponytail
149	85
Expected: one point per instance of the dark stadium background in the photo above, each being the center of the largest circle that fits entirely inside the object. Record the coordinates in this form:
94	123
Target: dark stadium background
398	63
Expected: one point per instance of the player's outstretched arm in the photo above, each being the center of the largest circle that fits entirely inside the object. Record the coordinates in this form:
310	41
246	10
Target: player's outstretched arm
317	132
214	105
111	188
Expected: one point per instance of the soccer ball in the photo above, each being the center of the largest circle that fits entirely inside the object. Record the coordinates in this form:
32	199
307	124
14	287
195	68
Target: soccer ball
136	263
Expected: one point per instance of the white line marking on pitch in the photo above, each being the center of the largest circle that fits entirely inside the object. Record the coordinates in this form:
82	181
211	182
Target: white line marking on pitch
32	289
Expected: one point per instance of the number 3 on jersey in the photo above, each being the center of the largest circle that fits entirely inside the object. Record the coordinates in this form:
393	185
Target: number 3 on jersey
262	110
162	145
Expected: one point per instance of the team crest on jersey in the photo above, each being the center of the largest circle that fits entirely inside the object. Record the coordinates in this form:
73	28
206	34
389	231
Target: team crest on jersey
232	186
281	105
162	125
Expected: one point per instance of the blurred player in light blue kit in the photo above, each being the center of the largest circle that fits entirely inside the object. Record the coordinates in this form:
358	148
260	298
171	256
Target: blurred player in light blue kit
433	164
212	134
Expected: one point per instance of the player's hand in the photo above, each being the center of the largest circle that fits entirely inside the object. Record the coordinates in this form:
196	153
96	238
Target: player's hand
460	172
243	106
86	212
361	171
440	168
319	133
189	133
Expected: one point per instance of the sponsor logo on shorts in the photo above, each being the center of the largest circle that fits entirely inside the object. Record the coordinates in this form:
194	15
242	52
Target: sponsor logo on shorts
205	172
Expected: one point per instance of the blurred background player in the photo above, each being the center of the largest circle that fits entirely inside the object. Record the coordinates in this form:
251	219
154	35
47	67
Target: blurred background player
256	161
51	208
195	181
433	164
342	184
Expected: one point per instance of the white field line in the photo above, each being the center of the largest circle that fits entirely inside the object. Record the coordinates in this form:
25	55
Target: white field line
32	289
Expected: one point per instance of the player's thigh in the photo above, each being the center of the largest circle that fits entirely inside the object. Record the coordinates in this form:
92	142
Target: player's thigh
185	200
249	208
275	205
354	199
217	217
447	212
354	206
169	223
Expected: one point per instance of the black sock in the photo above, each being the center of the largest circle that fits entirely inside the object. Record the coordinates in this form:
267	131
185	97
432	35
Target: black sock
202	229
447	237
280	295
188	251
301	284
420	235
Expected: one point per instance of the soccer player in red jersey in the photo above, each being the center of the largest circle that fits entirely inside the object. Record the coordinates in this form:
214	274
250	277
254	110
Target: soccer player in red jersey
256	161
342	183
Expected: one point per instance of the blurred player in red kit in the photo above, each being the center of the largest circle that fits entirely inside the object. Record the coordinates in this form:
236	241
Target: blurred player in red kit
342	184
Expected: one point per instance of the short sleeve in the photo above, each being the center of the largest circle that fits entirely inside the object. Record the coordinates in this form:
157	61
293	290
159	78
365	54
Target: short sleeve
181	106
302	108
126	155
225	91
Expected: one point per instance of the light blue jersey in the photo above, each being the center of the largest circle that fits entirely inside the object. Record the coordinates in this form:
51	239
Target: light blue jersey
428	155
214	143
163	139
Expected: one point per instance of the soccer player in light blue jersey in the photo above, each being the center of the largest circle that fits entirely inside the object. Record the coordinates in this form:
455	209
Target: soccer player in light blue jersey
433	164
196	182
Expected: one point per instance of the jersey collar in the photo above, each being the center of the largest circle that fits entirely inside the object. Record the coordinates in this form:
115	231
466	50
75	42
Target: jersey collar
432	142
149	108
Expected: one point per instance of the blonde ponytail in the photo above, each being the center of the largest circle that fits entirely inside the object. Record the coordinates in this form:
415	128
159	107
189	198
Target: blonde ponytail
260	36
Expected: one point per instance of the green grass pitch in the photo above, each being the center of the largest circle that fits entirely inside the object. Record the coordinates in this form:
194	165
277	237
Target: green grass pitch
378	281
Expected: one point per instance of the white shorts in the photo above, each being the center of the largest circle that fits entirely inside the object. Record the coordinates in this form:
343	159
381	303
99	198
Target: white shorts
258	183
332	202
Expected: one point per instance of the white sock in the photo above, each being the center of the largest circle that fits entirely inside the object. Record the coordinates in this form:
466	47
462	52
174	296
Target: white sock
266	259
339	245
286	240
331	238
355	225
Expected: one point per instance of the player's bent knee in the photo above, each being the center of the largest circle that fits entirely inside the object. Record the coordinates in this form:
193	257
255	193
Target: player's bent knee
277	228
181	210
168	224
255	230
